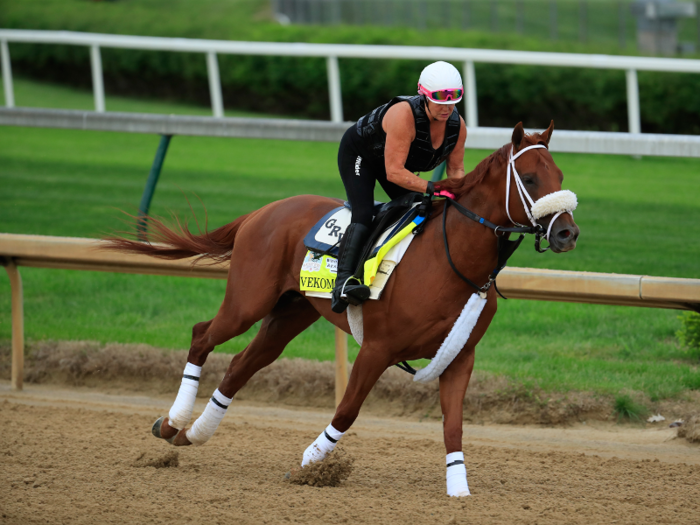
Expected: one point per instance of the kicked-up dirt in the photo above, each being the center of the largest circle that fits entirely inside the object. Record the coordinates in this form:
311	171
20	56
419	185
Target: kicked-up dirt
80	455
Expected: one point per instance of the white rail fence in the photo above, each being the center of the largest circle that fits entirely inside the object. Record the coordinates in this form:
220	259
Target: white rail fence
599	142
467	57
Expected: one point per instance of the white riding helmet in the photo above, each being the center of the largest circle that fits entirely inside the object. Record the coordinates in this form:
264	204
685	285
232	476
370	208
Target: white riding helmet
441	83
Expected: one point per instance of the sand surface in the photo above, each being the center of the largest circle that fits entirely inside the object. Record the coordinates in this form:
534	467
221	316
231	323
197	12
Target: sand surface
80	455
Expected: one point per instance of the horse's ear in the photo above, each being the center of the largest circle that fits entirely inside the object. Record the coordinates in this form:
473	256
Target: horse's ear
547	134
518	136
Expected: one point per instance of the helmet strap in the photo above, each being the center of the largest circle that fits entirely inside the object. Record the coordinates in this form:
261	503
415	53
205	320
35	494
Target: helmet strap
427	107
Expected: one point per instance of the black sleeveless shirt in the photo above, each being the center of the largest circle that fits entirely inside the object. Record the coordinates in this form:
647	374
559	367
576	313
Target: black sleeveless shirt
421	155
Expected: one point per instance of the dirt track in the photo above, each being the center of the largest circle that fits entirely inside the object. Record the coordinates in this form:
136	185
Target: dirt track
77	456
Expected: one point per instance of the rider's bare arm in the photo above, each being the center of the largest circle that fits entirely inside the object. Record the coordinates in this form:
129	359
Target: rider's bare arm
455	162
400	131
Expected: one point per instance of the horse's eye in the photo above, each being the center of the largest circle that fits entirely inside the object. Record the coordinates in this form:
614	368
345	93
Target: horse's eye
528	180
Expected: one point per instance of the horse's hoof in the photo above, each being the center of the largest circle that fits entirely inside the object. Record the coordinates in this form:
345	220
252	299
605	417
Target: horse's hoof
158	431
155	430
180	439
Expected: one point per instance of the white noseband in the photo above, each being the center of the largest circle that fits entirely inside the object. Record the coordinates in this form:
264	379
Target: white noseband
563	201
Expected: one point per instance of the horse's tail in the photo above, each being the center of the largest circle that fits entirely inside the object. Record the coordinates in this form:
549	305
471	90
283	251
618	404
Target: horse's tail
178	242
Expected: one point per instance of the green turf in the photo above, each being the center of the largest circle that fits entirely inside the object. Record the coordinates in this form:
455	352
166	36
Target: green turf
636	216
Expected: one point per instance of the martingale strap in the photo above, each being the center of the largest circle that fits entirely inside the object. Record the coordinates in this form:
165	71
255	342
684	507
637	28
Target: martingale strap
449	257
506	248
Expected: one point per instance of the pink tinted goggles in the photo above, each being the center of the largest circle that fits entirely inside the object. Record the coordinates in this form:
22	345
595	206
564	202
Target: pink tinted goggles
442	95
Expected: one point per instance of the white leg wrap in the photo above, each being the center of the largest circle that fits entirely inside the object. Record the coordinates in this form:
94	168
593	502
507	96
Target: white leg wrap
324	445
456	475
181	411
208	422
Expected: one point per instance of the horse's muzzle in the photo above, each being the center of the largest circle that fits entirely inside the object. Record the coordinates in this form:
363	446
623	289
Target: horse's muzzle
564	235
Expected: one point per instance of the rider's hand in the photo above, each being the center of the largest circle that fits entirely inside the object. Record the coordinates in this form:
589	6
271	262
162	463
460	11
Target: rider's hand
433	189
440	191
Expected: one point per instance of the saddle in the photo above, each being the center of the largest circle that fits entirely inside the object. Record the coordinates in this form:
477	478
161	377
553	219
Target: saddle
390	227
324	238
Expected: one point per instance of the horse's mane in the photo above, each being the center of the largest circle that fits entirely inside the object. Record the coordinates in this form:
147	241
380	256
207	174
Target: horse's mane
464	185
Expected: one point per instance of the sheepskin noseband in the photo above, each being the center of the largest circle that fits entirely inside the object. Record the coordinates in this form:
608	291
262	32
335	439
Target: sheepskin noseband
557	202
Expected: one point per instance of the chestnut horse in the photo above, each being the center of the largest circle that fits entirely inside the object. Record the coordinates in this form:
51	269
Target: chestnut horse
418	308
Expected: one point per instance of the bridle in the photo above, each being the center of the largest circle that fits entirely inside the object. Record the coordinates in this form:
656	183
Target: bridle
557	203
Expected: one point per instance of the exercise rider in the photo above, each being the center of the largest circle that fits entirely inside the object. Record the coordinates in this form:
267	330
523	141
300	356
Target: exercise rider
392	145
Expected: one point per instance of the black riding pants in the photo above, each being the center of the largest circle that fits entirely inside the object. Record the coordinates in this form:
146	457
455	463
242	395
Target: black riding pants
360	169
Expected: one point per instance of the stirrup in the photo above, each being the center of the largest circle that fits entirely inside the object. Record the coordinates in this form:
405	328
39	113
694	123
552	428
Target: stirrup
355	294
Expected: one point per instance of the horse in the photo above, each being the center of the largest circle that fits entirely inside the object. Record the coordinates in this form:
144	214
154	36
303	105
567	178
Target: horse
418	308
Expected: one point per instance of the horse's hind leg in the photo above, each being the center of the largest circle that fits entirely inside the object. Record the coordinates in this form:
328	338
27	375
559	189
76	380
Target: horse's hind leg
292	314
235	317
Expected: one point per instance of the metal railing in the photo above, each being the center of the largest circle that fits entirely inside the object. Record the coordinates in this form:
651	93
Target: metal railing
467	57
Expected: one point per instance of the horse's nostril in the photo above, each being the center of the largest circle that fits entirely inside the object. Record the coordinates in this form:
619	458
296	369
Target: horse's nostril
564	234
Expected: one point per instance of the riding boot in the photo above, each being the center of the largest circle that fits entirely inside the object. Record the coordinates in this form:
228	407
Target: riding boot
349	289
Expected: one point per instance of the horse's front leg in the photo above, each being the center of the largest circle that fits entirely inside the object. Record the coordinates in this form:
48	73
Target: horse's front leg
368	367
453	386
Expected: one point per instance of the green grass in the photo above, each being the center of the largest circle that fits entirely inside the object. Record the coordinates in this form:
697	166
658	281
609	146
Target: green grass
689	334
636	216
629	410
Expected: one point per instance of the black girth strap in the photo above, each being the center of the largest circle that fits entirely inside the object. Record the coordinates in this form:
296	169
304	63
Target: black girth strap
403	365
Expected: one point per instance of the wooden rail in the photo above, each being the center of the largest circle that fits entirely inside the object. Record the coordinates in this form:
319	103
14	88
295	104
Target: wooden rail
518	283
